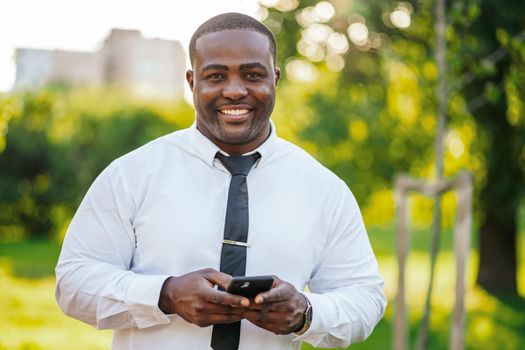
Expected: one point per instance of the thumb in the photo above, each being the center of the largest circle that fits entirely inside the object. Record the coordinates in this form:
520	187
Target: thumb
218	278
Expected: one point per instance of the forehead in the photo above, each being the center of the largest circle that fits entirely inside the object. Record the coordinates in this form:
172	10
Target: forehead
233	46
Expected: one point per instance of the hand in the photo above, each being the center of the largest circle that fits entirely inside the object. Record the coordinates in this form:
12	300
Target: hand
194	298
279	310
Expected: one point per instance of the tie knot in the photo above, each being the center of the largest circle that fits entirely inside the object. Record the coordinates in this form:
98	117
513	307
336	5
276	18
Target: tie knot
238	165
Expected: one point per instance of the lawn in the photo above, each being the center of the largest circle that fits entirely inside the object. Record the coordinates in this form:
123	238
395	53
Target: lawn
30	318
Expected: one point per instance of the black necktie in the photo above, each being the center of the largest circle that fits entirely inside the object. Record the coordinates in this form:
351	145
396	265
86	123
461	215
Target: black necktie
233	253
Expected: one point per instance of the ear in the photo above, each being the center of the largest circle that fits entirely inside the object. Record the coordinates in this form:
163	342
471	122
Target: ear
277	73
189	78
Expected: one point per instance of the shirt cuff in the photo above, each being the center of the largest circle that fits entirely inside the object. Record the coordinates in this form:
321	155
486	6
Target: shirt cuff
142	300
324	315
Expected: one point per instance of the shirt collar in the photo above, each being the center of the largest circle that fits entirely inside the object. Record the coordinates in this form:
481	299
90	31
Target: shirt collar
206	150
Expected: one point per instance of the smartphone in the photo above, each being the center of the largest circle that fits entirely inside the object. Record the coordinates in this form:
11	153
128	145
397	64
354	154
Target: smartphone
250	286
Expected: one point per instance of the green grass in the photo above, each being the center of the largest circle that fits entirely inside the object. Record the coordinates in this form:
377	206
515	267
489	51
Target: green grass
31	259
31	319
492	324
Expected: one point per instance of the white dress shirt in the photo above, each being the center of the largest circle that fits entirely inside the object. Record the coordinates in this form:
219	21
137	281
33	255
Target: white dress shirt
159	211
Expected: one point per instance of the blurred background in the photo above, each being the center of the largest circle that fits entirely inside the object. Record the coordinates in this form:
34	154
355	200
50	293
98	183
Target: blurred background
85	82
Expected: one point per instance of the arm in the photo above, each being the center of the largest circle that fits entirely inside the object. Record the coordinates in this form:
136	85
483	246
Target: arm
95	283
346	289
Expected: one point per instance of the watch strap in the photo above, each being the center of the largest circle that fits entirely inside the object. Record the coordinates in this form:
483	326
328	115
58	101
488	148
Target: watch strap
307	318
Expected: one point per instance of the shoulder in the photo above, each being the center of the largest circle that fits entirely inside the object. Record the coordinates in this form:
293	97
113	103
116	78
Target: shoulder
154	152
300	161
138	168
136	171
316	183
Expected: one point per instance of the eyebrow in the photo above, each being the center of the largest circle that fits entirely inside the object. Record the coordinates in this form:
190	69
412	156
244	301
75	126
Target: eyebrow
252	65
244	66
215	67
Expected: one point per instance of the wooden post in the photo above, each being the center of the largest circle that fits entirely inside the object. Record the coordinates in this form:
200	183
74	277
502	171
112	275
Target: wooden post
400	323
441	95
462	231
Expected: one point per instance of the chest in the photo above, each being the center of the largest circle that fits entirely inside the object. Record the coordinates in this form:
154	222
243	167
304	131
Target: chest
180	226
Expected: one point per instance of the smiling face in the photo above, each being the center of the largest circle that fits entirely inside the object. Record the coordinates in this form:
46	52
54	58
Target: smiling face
233	85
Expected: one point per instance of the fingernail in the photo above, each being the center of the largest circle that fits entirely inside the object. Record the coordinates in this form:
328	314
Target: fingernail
245	302
258	300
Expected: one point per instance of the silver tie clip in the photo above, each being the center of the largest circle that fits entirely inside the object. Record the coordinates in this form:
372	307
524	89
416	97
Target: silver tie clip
230	242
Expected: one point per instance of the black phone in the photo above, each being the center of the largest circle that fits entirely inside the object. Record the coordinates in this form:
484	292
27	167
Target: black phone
250	286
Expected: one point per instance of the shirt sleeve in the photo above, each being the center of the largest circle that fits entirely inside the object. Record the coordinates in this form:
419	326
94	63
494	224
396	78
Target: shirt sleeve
94	280
346	289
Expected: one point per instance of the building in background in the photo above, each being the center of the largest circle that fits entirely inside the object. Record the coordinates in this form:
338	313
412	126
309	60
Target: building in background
148	67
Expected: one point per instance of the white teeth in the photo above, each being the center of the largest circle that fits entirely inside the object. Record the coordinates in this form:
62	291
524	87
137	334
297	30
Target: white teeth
235	111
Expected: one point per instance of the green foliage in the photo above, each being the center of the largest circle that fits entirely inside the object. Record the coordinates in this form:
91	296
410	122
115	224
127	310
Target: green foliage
376	117
58	140
7	109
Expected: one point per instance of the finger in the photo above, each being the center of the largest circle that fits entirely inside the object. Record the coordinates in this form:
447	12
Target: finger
216	309
216	314
257	317
223	318
256	307
279	293
273	321
225	298
218	278
277	306
268	322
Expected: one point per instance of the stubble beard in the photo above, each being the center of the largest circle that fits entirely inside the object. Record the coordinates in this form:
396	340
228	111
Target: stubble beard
218	132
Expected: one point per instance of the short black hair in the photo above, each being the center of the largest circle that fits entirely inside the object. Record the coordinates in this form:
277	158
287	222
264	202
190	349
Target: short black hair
232	21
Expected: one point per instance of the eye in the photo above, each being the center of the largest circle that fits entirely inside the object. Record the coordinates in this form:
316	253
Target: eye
253	75
215	76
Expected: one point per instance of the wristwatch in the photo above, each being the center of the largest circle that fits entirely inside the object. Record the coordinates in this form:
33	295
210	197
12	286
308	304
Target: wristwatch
307	318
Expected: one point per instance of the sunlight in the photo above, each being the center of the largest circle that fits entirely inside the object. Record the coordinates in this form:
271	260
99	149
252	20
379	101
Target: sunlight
337	43
358	33
300	70
307	17
317	33
325	11
335	63
400	18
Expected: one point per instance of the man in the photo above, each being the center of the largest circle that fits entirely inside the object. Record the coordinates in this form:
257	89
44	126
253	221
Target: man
144	253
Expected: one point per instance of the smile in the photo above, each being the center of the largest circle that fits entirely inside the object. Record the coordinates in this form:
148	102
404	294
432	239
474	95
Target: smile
235	112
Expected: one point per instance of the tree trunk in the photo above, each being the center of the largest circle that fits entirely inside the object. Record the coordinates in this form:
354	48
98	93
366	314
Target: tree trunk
499	199
497	256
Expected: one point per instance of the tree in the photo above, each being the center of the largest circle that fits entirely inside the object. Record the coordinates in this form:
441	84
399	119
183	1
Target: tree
361	117
58	140
489	91
387	83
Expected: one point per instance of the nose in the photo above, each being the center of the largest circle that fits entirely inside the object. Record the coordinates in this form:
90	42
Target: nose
234	89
